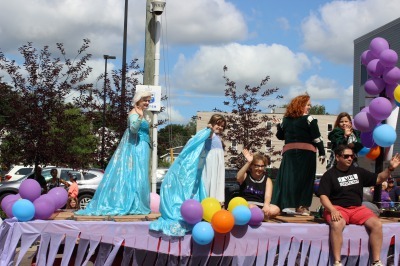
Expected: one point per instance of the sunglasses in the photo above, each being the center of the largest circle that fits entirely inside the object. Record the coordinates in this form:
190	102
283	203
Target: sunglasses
347	156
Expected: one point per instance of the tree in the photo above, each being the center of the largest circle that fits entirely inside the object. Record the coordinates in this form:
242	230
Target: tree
244	123
318	110
172	136
42	85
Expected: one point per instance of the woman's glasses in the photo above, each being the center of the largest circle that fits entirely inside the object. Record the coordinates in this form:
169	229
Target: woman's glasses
258	166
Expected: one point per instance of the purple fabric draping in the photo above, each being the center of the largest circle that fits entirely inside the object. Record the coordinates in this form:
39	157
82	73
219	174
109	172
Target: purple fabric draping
244	245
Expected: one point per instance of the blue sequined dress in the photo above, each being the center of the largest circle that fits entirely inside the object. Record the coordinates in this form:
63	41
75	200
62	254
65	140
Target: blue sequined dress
182	181
125	187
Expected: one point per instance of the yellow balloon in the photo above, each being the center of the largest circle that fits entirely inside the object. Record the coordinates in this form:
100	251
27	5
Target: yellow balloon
236	201
396	93
210	207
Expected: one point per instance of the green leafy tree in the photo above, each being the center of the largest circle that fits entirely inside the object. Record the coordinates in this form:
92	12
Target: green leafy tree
245	125
42	82
318	110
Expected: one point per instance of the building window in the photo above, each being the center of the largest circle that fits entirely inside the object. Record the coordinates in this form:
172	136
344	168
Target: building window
234	145
268	143
269	125
329	145
330	127
364	74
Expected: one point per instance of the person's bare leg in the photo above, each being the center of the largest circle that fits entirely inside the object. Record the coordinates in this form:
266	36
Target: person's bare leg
336	237
374	226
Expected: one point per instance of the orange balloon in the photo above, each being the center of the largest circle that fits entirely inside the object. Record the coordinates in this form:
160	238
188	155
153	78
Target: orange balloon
373	153
222	221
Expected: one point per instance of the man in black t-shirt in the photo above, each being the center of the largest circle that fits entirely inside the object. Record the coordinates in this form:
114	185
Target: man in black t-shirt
341	191
37	175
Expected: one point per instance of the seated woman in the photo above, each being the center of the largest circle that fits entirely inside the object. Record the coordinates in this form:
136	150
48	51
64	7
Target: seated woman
255	185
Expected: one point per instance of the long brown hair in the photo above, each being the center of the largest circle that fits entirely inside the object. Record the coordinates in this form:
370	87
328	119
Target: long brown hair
340	116
296	106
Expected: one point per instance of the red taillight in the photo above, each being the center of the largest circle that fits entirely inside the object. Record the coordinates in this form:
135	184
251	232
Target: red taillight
7	177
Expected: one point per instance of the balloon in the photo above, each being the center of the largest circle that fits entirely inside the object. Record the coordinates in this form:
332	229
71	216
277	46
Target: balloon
378	45
241	214
364	122
236	201
23	210
222	221
391	75
210	207
203	233
367	194
257	216
366	57
154	202
374	86
364	151
8	209
390	89
375	68
367	140
384	135
44	207
192	211
396	93
388	58
9	198
30	189
59	195
316	185
380	108
373	153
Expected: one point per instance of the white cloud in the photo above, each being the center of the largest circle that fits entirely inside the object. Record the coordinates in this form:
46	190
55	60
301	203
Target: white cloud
284	23
346	100
332	30
173	116
247	64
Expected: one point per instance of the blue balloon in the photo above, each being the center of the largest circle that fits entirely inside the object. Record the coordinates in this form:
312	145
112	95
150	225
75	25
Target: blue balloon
203	233
242	214
384	135
23	210
364	151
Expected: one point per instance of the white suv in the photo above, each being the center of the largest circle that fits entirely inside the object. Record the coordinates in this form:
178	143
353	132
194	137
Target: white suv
17	172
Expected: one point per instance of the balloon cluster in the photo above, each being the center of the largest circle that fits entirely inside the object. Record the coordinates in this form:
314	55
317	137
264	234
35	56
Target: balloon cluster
380	62
29	204
208	217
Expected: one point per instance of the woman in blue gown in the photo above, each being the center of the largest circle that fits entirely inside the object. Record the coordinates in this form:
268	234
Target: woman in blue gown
185	180
125	187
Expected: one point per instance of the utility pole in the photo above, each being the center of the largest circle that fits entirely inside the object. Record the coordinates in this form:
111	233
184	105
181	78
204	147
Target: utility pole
123	82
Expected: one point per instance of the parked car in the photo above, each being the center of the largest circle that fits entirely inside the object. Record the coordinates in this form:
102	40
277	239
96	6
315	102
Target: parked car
17	172
88	182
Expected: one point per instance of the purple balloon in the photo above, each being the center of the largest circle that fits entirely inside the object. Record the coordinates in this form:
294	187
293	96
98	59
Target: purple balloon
192	211
391	75
8	209
374	86
375	68
364	122
389	90
30	189
388	58
9	198
378	45
59	195
257	216
44	207
367	139
366	57
380	108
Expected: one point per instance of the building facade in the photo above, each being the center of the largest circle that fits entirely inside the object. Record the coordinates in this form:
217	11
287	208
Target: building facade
390	32
325	123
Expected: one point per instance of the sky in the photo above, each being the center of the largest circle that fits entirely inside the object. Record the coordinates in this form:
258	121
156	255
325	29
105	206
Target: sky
303	46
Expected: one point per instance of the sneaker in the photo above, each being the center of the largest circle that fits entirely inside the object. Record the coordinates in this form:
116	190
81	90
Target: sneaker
377	263
303	211
337	263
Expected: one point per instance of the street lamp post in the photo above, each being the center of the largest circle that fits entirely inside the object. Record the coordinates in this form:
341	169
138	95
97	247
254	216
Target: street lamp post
106	57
